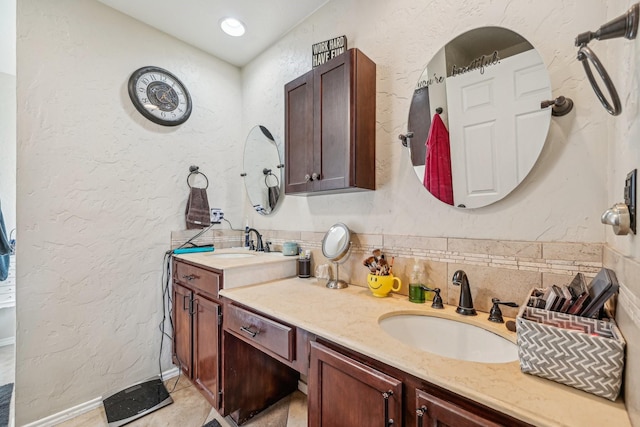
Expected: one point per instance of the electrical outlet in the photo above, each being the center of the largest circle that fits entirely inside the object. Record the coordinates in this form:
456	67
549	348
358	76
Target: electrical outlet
630	196
216	215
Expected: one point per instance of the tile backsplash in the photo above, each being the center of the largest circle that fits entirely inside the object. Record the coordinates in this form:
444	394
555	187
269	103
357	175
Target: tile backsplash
496	268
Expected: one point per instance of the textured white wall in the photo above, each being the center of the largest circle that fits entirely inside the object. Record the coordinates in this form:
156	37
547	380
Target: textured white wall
99	190
100	187
8	37
561	199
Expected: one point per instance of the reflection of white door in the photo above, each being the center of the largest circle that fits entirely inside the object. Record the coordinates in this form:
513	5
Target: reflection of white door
496	127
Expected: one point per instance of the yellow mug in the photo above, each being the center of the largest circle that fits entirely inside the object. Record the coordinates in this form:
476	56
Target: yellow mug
382	285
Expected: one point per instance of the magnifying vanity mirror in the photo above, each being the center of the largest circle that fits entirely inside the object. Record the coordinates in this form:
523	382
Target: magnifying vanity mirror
262	170
335	247
476	117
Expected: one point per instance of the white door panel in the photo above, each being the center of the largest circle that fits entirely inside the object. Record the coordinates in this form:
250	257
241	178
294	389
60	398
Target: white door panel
493	119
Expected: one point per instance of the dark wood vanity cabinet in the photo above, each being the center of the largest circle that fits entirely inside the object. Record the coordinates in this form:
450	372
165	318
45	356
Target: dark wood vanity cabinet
345	392
263	360
349	389
330	122
197	315
435	412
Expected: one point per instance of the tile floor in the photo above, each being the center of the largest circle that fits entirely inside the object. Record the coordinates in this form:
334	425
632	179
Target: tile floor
190	409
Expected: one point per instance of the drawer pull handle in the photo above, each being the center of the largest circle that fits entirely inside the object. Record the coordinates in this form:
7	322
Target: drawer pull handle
249	331
190	277
386	395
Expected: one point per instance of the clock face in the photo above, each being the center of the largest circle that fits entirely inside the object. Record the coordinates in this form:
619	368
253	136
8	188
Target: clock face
159	96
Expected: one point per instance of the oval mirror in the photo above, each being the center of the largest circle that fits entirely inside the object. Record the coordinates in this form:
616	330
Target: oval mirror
335	247
476	119
262	170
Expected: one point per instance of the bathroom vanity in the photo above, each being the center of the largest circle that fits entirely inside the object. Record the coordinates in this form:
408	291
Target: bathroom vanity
197	310
353	363
276	333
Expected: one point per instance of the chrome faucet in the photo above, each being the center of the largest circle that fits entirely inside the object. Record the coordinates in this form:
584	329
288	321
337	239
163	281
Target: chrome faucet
259	245
465	305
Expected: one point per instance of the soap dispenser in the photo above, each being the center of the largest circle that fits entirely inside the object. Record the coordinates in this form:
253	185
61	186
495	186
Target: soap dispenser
416	294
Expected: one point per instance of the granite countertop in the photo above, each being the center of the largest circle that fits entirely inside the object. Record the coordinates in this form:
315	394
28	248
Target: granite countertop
350	316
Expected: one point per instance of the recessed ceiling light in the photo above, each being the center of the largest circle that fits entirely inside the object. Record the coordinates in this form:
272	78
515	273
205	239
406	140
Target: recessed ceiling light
232	26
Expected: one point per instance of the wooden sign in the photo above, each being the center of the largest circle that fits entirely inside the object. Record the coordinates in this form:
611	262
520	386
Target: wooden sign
326	50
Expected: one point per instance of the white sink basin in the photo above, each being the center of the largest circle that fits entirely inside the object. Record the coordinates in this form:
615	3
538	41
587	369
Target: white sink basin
230	255
450	338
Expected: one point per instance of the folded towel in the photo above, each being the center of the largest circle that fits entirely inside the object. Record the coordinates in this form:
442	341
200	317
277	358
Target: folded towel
197	213
274	194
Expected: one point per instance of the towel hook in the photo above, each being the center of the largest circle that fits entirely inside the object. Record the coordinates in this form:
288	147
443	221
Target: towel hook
405	137
195	170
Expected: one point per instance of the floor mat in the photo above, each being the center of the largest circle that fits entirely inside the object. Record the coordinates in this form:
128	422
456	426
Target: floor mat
5	403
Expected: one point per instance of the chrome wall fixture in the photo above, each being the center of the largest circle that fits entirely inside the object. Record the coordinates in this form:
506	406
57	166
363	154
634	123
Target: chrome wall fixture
625	25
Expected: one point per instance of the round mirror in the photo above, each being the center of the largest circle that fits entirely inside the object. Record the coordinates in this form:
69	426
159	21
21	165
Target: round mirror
335	247
476	119
262	170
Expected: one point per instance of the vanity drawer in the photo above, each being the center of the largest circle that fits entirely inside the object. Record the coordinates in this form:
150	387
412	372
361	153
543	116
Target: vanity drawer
200	280
261	332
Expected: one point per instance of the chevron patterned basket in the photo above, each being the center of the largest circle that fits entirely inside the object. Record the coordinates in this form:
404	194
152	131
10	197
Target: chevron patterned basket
584	353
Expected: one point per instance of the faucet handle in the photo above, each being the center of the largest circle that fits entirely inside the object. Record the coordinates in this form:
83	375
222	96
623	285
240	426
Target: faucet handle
495	315
267	246
437	299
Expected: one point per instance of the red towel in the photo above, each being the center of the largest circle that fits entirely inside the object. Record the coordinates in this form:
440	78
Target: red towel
437	172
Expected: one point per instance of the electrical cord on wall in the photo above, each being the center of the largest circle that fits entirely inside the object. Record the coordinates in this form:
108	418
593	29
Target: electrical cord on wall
167	305
167	300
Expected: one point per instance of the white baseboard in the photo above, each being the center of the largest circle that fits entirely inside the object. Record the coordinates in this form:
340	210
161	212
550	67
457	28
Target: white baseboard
67	414
7	341
78	410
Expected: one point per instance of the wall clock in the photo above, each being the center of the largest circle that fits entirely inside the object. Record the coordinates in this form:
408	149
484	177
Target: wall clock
159	96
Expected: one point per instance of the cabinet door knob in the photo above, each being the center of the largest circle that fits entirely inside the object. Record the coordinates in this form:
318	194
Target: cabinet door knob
420	414
315	177
307	178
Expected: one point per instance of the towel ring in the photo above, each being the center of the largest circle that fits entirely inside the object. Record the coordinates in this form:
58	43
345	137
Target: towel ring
194	170
584	54
267	173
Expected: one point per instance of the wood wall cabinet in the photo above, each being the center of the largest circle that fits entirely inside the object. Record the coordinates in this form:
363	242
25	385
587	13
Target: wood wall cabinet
197	314
345	392
330	122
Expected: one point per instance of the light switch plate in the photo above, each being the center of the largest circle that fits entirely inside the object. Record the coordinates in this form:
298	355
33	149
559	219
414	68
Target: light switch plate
630	196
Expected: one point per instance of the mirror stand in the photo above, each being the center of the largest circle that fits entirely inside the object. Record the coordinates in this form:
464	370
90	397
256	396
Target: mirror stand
337	283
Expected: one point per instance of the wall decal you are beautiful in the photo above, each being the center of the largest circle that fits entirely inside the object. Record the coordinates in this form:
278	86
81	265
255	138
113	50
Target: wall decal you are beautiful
477	64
